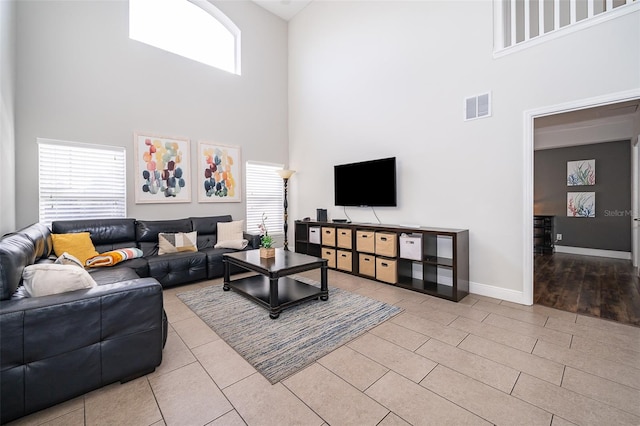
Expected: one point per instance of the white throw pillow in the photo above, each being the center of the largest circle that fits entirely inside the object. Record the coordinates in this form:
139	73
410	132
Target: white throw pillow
232	244
51	278
230	231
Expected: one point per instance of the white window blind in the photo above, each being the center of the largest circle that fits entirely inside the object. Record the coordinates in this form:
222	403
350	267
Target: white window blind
265	193
80	181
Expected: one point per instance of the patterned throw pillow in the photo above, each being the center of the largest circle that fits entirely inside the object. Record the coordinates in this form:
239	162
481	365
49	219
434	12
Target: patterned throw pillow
174	243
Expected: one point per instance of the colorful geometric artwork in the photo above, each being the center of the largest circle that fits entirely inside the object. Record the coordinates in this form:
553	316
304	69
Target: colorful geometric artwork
581	204
219	173
581	173
162	169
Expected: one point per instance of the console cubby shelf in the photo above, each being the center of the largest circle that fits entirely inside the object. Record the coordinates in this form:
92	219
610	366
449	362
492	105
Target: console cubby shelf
434	261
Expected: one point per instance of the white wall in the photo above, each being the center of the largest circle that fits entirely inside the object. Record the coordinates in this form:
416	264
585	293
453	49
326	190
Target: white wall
7	106
81	78
369	79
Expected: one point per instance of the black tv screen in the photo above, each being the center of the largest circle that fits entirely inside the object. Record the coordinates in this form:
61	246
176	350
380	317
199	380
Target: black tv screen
367	183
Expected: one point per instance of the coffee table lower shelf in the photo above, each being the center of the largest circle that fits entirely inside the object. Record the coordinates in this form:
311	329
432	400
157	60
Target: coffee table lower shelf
290	292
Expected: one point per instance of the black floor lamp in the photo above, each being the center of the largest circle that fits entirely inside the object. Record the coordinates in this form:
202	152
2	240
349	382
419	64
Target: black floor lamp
285	175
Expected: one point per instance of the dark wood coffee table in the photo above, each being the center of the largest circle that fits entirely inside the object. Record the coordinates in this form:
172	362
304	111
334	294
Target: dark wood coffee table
273	288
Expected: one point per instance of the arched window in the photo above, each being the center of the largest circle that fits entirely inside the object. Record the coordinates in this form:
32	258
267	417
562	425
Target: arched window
194	29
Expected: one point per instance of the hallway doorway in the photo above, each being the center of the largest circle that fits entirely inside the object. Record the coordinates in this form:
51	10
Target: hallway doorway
578	281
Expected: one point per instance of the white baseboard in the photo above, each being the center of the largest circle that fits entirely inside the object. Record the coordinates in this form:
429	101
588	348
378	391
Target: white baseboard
514	296
594	252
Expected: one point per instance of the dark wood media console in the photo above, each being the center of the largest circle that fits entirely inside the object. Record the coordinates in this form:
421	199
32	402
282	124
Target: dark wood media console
434	261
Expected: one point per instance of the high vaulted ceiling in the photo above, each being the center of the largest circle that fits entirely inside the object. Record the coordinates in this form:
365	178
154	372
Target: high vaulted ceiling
286	9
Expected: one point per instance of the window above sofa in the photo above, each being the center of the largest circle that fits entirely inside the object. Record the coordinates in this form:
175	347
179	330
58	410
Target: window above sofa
78	180
264	196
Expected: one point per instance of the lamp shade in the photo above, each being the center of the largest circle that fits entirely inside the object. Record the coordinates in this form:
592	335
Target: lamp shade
285	174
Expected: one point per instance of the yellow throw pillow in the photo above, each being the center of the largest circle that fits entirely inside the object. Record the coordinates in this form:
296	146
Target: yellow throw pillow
77	244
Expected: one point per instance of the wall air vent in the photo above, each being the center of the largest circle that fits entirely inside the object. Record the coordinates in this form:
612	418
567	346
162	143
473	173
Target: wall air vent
478	106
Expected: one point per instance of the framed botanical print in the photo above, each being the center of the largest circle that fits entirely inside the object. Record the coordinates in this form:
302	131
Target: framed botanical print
581	173
581	204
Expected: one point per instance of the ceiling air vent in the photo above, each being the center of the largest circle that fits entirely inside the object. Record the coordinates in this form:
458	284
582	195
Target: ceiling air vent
477	106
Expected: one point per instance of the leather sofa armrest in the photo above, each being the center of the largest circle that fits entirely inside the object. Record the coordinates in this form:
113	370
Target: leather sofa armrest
43	327
79	340
254	240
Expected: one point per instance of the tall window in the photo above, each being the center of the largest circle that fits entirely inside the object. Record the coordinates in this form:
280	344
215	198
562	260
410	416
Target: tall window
194	29
80	181
265	194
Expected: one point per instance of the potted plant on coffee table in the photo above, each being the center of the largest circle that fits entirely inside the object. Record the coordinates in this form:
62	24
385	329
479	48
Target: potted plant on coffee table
266	241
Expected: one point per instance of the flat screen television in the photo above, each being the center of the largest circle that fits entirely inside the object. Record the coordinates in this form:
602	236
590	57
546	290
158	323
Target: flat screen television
366	184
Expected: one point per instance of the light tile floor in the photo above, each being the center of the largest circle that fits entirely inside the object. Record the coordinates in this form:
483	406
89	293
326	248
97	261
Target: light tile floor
479	361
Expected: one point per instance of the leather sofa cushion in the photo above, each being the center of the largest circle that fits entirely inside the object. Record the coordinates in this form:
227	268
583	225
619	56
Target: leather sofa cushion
106	234
103	231
102	248
69	326
147	233
11	355
104	276
139	265
178	268
209	224
215	266
61	370
147	230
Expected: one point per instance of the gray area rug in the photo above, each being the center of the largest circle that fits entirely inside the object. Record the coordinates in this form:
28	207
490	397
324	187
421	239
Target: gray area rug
301	335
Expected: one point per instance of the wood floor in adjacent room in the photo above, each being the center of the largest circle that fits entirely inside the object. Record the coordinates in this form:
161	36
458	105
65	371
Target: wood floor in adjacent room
588	285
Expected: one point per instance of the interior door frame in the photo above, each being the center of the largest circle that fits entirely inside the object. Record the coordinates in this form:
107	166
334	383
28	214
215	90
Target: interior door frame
527	192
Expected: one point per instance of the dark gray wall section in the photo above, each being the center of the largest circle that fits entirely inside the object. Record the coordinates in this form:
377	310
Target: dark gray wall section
611	228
